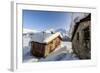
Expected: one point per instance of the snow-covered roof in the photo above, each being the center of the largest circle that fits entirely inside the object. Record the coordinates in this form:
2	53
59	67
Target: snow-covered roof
86	18
79	16
76	18
44	37
53	36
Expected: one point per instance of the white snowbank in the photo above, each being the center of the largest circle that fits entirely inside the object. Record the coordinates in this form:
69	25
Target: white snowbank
63	52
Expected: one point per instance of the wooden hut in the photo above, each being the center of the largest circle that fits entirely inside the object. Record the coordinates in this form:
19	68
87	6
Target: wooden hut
81	39
43	44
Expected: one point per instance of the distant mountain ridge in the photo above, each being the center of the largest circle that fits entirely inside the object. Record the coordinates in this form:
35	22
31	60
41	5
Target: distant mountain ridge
64	34
29	31
62	31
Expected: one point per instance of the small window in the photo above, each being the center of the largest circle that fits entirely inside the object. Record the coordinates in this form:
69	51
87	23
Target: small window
78	36
86	33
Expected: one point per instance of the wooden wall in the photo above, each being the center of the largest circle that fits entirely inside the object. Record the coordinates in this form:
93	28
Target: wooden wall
44	49
52	45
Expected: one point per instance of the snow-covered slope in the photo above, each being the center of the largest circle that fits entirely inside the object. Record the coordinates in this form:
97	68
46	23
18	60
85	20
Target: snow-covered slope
27	34
63	52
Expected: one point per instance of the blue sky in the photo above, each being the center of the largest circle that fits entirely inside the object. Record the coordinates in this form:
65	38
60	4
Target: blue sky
45	20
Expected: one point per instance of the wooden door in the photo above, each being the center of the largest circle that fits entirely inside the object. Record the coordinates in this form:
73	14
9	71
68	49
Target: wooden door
47	50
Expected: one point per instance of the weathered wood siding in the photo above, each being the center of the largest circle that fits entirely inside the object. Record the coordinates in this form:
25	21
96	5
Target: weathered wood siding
37	49
43	49
52	46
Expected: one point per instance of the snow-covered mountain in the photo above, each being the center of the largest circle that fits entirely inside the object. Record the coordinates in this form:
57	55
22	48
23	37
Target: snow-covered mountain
50	30
64	34
29	31
62	31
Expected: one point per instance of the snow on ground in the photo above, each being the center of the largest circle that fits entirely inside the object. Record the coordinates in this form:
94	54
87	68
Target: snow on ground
63	52
27	56
26	41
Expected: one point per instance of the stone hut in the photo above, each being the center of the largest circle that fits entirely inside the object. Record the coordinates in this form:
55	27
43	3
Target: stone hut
81	38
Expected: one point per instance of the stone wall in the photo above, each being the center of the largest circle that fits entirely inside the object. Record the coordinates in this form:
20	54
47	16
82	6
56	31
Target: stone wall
81	40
